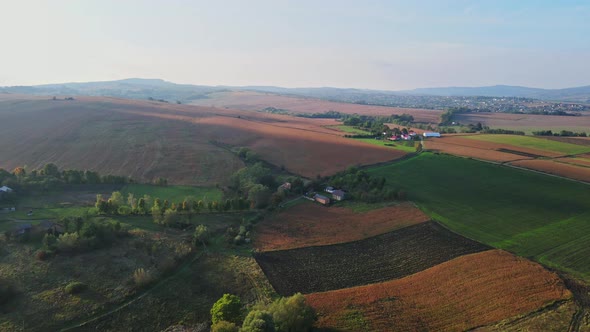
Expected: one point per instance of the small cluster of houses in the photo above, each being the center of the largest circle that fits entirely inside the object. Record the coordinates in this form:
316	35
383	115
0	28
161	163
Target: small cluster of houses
44	226
406	137
336	195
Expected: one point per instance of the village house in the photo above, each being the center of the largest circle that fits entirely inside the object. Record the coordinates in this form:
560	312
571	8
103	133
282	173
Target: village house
329	190
5	189
285	186
338	195
322	199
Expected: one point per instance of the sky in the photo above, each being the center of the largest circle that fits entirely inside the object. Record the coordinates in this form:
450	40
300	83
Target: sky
389	45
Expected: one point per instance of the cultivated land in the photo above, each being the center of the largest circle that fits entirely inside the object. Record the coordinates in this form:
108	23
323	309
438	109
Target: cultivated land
383	257
309	224
531	214
458	295
527	122
146	140
247	100
573	169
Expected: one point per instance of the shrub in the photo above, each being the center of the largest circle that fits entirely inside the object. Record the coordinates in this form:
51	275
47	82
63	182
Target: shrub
141	277
75	287
223	326
292	314
7	293
68	241
124	210
42	255
201	234
258	321
227	308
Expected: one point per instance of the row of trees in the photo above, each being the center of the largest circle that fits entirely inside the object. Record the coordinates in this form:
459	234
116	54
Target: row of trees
563	133
50	175
360	185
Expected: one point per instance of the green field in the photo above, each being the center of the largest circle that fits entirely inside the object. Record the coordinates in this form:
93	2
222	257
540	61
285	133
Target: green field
531	214
407	146
351	130
173	193
533	143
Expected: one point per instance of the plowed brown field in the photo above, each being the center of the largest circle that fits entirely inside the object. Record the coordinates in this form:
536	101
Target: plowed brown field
555	167
247	100
466	292
310	224
147	140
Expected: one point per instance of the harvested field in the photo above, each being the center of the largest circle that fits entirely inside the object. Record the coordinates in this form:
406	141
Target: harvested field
572	140
584	162
458	295
556	317
147	140
520	153
527	122
248	100
384	257
557	168
309	224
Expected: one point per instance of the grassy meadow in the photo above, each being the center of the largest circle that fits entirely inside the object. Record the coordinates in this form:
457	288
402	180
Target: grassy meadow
531	214
407	146
533	143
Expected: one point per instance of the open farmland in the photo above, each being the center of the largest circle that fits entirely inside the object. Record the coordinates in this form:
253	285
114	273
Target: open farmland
560	167
538	143
173	193
309	224
458	295
531	214
527	122
146	140
249	100
383	257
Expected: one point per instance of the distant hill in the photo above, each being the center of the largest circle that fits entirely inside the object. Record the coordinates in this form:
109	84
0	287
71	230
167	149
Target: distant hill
140	88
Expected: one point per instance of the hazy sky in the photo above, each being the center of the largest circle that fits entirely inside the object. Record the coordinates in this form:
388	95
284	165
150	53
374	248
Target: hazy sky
364	44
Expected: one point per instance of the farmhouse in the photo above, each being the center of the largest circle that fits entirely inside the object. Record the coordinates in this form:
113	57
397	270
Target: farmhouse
322	199
285	186
329	190
431	134
338	195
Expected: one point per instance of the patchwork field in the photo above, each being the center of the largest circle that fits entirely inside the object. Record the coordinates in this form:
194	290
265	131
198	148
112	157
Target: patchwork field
457	295
531	214
383	257
309	224
249	100
146	140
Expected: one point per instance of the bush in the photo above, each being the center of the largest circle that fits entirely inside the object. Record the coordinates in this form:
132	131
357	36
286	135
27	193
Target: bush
68	242
42	255
75	287
292	314
7	293
227	308
223	326
258	321
141	277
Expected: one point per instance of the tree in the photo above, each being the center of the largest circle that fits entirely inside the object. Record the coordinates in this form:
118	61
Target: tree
223	326
117	198
258	321
292	314
170	217
201	234
259	196
50	169
141	207
227	308
19	172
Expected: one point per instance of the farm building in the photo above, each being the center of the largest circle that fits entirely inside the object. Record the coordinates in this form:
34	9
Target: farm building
338	195
22	229
329	190
322	199
431	134
5	189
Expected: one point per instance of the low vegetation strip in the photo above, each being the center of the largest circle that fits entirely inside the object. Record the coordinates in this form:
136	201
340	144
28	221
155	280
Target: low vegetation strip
458	295
498	205
384	257
309	224
173	193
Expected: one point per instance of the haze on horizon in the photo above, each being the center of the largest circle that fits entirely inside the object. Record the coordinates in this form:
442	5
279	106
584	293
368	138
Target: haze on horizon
389	45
